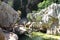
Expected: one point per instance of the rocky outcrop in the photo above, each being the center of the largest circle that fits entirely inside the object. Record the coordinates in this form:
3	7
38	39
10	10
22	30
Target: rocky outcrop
50	18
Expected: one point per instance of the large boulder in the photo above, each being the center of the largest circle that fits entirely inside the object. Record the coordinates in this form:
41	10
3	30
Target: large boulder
8	16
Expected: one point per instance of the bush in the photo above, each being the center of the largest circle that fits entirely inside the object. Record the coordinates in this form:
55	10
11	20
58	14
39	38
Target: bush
44	4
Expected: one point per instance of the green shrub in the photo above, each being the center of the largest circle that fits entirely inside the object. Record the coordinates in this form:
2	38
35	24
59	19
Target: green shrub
44	4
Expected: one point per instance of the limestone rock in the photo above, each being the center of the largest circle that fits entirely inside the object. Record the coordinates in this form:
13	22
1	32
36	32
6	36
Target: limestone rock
49	16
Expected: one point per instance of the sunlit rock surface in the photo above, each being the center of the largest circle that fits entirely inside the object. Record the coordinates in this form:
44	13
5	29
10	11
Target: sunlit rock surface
8	16
50	17
20	29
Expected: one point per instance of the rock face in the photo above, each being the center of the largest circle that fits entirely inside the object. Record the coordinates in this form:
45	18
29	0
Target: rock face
51	17
8	16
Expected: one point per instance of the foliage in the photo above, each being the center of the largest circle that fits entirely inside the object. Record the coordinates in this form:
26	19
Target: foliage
45	36
37	38
10	2
44	4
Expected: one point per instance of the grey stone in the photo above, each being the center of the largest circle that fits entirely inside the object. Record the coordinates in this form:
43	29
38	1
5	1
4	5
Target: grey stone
8	16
